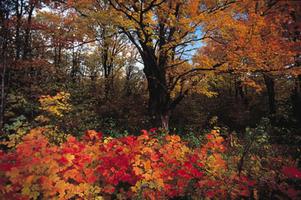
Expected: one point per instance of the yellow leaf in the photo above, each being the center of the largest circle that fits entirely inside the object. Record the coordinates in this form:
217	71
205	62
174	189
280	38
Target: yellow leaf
147	165
137	170
147	177
69	157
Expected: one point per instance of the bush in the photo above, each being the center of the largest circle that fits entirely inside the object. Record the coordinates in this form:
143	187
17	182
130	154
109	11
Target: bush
149	166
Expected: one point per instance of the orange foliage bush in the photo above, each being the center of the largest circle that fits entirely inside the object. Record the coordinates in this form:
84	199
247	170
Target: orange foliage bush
129	167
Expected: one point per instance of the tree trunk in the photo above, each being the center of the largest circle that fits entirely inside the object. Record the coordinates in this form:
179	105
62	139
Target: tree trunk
239	92
127	86
296	99
159	97
75	66
298	84
27	39
108	87
165	121
19	13
3	63
270	85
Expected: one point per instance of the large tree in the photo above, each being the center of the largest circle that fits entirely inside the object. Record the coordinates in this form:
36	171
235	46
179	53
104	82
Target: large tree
164	32
255	43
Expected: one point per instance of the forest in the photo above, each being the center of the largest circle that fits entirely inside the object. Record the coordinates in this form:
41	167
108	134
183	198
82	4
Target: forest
150	99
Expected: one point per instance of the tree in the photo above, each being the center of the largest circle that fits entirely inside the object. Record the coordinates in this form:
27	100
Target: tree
5	11
15	37
22	50
164	31
254	42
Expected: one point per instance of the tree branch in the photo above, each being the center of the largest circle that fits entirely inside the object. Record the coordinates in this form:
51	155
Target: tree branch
194	70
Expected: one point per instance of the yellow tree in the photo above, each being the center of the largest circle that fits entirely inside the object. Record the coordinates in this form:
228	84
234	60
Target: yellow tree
164	32
109	47
254	40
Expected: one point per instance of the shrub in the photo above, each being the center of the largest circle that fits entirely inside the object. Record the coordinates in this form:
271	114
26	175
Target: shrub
132	167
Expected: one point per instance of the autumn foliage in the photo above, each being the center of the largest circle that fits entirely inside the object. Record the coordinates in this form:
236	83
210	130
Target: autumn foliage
149	166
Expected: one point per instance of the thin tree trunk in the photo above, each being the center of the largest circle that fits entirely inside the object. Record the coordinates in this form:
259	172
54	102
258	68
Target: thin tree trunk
3	64
106	64
74	69
2	92
165	121
19	12
296	99
230	87
27	45
298	83
127	87
3	75
59	59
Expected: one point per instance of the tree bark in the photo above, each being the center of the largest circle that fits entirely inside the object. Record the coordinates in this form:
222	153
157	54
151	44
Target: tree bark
239	92
3	62
27	38
159	97
270	86
19	13
296	99
165	121
3	72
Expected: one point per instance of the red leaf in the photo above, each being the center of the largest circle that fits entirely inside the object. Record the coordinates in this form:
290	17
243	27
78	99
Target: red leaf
291	172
